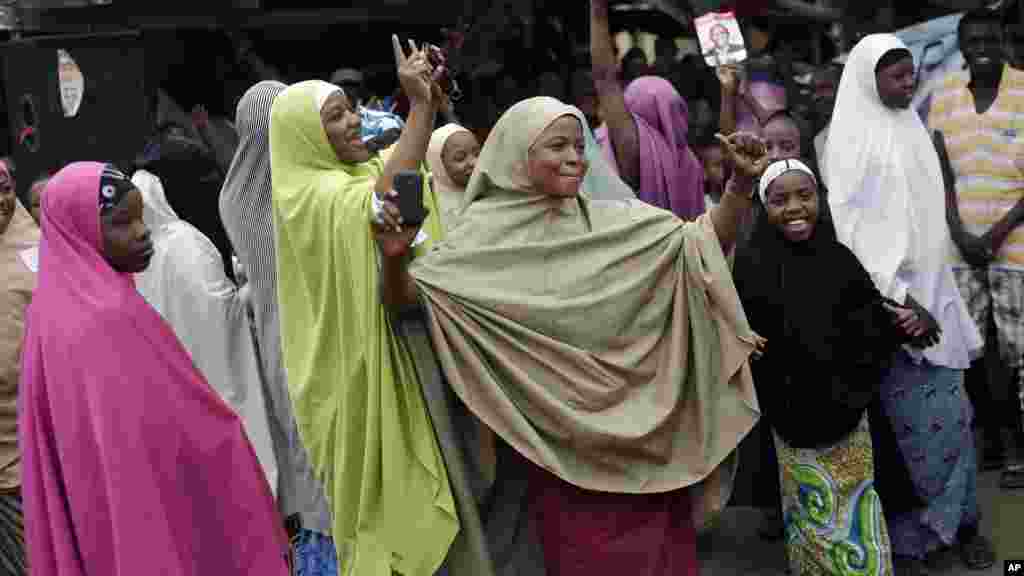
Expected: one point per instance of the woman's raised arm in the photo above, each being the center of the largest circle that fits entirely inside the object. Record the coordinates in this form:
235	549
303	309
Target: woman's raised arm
414	73
622	130
748	156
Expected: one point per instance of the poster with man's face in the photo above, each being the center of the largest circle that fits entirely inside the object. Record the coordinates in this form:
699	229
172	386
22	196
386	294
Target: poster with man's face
721	42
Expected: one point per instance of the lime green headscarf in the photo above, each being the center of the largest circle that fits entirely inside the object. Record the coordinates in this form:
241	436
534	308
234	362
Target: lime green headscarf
357	401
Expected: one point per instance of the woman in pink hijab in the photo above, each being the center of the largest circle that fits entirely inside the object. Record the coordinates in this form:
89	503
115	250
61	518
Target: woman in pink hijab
132	464
644	135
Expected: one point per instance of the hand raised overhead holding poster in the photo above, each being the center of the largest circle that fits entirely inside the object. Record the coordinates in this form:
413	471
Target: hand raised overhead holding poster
721	41
71	83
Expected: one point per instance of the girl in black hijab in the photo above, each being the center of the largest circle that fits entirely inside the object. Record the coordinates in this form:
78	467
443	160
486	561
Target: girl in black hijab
831	335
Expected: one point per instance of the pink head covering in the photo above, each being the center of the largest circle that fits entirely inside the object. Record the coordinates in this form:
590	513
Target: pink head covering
671	177
132	464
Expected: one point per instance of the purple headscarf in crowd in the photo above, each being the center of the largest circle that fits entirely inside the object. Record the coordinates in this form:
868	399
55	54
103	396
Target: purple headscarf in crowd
671	177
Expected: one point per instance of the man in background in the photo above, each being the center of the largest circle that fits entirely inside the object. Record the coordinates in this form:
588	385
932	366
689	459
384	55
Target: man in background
980	112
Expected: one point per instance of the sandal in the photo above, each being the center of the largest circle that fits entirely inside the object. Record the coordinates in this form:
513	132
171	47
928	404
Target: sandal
1013	477
977	553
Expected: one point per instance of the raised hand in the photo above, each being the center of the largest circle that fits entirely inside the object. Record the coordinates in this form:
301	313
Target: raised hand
414	72
746	152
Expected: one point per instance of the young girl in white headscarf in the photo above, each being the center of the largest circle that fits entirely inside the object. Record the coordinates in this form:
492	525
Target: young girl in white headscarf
451	157
885	191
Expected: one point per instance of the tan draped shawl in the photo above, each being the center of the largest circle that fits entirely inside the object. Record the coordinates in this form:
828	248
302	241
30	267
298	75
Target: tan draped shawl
603	340
20	238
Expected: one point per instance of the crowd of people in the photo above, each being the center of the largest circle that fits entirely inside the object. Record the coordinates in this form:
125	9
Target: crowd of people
246	356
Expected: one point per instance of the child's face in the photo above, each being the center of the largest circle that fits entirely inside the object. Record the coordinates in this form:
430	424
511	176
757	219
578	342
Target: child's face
714	165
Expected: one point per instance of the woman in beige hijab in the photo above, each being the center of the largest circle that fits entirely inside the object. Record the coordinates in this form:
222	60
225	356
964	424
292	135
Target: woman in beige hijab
19	257
451	157
603	341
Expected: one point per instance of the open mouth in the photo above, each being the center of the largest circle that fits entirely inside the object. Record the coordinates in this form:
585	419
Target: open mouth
798	226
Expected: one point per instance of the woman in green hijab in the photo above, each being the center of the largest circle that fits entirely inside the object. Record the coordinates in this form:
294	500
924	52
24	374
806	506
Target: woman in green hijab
357	401
603	341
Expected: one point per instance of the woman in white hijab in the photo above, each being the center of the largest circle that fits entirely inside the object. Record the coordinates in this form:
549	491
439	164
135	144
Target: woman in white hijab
187	285
885	191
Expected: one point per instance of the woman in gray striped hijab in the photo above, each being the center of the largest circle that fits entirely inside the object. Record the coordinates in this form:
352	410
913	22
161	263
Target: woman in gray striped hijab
245	208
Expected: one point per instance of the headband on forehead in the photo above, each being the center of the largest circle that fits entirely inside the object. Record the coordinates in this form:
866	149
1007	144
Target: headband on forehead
113	187
776	169
324	90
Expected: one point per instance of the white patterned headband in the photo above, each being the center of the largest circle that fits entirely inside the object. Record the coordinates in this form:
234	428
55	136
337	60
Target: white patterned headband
776	169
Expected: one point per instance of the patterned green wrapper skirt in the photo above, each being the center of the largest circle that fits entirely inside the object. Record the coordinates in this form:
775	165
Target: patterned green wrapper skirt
12	536
833	516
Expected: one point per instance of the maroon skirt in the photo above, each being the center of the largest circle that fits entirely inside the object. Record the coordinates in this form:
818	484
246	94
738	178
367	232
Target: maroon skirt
587	533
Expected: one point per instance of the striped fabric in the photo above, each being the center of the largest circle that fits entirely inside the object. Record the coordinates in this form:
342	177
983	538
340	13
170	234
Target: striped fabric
998	292
12	536
245	209
982	149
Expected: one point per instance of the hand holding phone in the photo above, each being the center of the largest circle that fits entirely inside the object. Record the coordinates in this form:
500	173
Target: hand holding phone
393	236
409	185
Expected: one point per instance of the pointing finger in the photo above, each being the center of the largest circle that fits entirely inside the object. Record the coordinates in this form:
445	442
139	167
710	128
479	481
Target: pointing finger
399	53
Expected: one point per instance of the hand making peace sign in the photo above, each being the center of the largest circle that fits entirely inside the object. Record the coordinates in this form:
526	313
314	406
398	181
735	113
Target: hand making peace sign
414	73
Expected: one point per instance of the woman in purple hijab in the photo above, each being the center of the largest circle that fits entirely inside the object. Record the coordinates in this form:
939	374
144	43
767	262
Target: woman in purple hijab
644	135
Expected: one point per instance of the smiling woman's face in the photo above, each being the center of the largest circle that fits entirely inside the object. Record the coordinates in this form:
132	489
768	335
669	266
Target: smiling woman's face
557	162
343	124
791	204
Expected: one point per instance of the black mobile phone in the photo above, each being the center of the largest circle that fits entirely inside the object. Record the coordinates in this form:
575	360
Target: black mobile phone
409	185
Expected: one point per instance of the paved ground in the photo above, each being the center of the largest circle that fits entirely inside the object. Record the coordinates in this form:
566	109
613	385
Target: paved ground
734	547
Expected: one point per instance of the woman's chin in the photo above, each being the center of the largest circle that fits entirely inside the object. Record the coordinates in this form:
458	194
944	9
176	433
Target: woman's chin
570	187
